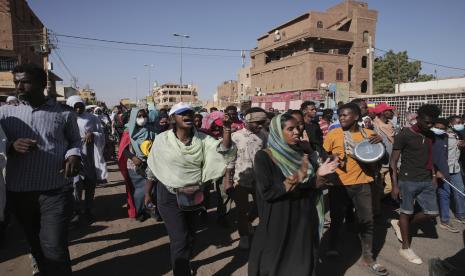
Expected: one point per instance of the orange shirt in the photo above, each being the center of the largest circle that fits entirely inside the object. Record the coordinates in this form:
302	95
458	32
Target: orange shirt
351	173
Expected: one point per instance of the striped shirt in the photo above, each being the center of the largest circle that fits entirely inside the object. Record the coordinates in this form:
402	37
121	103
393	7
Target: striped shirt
55	129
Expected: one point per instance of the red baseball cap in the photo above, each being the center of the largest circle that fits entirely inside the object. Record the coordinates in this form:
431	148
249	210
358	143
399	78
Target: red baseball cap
380	108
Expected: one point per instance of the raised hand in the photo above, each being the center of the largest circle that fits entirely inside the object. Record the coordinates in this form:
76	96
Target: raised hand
328	167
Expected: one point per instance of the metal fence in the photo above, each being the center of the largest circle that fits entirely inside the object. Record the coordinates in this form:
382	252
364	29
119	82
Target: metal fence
450	103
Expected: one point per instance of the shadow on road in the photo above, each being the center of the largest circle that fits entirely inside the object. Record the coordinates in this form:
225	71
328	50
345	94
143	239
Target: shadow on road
131	238
153	261
350	247
219	236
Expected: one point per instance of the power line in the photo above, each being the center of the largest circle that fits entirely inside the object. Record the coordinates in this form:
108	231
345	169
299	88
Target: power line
149	44
64	64
427	62
229	50
86	46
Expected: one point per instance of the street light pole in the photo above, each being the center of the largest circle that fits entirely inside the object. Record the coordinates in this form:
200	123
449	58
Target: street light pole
149	66
135	78
181	36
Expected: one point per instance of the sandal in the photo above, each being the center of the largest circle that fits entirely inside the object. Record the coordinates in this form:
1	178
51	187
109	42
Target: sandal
377	269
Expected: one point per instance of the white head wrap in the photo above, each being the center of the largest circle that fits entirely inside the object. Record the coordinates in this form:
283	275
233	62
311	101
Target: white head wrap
11	98
73	100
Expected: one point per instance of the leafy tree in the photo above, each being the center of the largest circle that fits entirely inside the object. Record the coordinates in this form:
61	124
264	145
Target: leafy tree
385	72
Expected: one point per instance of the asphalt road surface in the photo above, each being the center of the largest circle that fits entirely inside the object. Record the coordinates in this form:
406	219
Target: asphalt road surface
117	245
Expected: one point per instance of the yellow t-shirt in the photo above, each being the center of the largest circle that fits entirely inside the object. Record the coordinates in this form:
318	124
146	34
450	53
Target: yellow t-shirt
350	173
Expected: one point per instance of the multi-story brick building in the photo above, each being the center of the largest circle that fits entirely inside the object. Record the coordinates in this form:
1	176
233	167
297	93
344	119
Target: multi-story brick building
88	95
227	94
244	82
22	40
170	93
307	53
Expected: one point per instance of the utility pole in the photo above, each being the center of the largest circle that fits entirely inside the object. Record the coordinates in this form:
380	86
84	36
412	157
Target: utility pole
149	66
45	52
398	74
370	65
137	101
181	36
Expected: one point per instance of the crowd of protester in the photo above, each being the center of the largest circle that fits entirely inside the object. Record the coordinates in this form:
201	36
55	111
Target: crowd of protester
294	165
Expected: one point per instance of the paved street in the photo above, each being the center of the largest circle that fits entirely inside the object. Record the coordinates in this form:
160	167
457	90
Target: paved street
121	246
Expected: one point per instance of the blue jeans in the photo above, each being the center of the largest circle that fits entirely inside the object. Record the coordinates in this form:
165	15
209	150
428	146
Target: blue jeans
422	192
444	192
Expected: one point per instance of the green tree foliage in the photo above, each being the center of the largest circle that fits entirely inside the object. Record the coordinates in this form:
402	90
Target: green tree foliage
385	72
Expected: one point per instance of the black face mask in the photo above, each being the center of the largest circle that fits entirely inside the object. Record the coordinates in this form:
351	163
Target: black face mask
29	97
23	97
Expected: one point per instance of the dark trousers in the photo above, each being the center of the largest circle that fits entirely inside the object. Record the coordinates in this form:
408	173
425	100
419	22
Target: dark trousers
244	209
360	196
45	217
84	186
180	226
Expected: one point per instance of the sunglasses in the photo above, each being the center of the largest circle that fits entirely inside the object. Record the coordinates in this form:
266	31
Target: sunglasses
185	113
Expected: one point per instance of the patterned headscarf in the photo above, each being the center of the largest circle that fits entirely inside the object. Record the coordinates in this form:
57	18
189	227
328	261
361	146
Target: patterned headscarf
287	159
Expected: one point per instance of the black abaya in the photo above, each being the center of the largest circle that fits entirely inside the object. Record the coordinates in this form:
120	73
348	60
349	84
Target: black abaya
286	238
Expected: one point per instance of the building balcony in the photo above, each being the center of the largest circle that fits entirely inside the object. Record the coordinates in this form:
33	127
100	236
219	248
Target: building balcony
306	34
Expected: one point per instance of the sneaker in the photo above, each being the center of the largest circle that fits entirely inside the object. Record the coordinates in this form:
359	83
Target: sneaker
460	220
410	256
34	266
395	226
449	227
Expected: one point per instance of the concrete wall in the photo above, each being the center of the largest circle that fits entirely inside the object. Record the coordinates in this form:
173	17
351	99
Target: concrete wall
444	84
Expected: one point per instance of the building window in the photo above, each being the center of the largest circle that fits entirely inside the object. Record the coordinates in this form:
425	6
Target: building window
247	76
7	64
339	75
349	75
320	73
319	24
365	36
363	86
364	62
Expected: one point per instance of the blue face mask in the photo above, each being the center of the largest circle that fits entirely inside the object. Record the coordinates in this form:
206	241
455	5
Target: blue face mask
438	131
459	127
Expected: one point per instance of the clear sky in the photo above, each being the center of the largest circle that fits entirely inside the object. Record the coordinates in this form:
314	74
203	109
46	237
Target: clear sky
430	30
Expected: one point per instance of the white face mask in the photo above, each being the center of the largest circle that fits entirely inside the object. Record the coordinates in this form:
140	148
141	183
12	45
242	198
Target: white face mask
394	121
437	131
141	121
458	127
